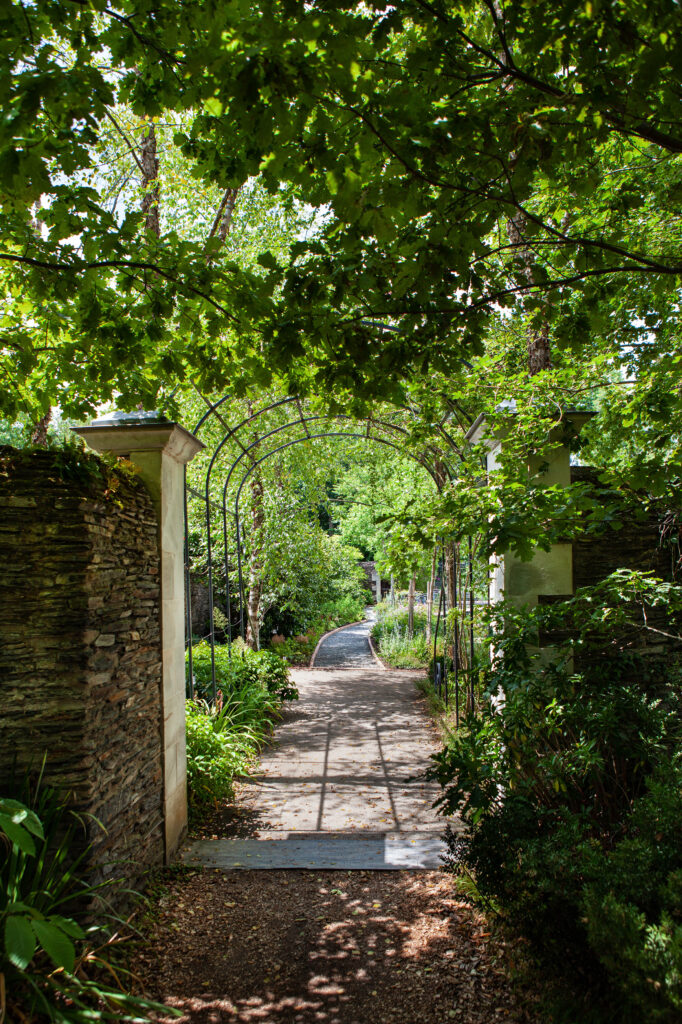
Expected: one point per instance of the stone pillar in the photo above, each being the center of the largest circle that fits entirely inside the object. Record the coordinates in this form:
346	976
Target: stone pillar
160	450
548	573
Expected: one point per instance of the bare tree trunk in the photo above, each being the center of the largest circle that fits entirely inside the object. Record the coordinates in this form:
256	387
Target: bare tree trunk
410	607
429	596
39	432
256	562
149	162
539	355
228	211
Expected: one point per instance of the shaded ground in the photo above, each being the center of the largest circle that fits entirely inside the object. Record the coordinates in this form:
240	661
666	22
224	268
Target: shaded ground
331	947
310	947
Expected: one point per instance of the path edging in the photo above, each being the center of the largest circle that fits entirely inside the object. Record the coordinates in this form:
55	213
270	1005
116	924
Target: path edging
385	667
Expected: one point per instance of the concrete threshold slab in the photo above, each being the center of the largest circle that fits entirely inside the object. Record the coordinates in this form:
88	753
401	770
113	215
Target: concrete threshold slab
369	852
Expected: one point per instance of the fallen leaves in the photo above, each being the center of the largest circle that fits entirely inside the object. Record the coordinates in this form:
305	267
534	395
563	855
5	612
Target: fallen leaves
278	947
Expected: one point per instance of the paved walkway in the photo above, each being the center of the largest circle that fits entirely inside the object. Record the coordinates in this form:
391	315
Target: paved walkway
348	761
347	648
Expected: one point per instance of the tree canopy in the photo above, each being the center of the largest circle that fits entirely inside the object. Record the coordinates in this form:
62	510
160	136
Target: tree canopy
460	159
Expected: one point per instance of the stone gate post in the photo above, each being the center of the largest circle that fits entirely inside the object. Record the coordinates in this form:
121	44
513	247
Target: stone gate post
548	573
160	449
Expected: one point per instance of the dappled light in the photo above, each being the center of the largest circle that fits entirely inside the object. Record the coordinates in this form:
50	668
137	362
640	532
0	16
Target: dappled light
333	947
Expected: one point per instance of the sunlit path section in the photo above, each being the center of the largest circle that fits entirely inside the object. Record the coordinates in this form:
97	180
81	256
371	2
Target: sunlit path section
343	783
346	648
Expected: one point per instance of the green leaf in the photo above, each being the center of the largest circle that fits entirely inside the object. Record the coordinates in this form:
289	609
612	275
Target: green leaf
213	106
20	943
21	814
56	944
17	835
68	926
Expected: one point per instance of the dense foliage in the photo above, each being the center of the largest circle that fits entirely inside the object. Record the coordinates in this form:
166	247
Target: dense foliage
460	157
237	668
569	786
397	646
224	735
51	967
416	214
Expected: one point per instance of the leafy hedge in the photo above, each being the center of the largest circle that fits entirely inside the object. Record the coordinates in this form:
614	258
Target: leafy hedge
238	667
570	787
224	737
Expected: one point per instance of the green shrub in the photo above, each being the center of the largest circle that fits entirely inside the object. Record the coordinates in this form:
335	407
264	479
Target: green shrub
238	666
50	966
225	735
632	902
390	632
570	787
214	758
344	609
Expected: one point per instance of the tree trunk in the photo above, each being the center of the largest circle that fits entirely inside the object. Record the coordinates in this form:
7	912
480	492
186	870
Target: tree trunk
39	432
539	355
429	596
228	210
253	603
410	607
149	163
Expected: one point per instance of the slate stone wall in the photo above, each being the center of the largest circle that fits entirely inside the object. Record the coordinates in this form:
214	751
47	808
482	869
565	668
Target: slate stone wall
641	544
80	646
638	544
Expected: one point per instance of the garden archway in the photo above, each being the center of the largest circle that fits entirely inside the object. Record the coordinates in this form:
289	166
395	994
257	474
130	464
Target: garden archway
378	430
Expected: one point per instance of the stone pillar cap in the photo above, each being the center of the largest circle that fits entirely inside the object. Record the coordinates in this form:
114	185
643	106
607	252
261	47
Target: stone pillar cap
123	433
577	418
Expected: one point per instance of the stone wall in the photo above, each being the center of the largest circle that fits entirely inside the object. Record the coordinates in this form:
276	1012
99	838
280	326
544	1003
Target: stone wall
639	544
636	544
80	646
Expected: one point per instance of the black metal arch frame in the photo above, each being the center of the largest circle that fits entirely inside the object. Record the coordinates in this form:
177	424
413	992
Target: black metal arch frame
302	420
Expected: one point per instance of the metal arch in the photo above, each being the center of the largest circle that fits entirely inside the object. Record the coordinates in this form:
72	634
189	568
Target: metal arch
303	420
277	430
243	481
216	405
300	421
231	432
288	444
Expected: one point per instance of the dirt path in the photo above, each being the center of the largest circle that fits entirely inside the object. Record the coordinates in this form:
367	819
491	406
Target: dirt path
307	947
330	946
